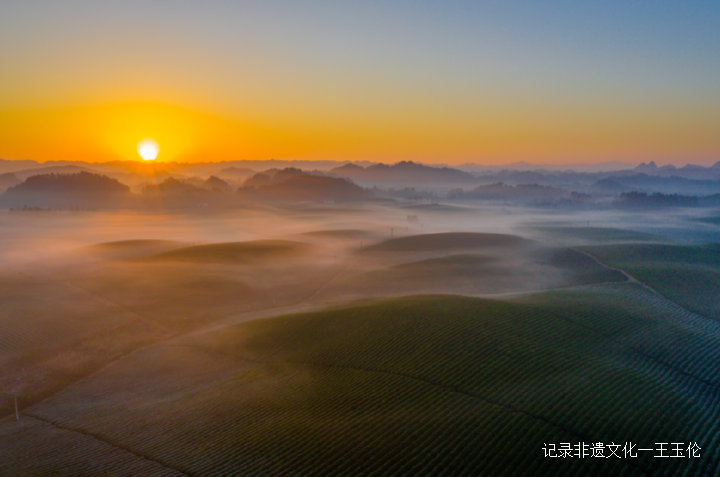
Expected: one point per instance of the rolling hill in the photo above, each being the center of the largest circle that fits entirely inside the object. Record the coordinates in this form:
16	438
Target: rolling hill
688	275
404	172
235	252
291	184
82	189
450	241
492	272
126	249
434	385
81	182
8	180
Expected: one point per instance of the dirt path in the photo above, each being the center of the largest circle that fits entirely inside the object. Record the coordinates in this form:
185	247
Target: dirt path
627	275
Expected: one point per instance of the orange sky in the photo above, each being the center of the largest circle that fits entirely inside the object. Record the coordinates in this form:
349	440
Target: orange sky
383	83
111	132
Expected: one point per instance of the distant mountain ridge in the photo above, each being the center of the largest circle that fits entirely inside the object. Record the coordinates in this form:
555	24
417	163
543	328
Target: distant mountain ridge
405	180
610	166
404	172
247	167
66	169
236	172
688	171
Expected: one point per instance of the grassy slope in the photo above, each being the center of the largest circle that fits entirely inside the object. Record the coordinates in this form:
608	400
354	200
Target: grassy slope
347	234
237	252
68	455
687	275
478	273
440	385
582	270
450	241
438	208
52	333
598	234
128	249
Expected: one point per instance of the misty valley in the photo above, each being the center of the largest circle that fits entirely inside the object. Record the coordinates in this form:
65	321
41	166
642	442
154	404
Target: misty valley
323	319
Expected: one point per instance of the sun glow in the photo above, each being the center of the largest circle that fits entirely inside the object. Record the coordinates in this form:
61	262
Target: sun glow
148	149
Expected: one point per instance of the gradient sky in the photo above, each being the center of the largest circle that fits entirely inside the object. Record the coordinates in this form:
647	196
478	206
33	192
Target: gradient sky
434	81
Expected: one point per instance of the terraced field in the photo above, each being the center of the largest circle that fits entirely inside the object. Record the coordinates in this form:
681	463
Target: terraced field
433	385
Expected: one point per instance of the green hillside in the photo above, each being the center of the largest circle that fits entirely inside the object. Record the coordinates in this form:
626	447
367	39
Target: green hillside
52	333
594	234
688	275
450	241
431	385
129	249
237	252
494	272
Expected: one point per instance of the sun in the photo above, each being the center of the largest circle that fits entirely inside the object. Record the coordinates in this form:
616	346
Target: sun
148	149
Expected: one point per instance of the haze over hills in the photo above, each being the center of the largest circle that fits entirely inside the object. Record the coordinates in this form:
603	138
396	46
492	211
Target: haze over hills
247	167
128	350
398	182
236	172
359	239
296	185
81	189
8	179
527	166
66	169
404	172
689	171
136	327
214	182
81	182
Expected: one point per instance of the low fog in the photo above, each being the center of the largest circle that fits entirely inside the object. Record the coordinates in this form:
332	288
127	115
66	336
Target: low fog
82	287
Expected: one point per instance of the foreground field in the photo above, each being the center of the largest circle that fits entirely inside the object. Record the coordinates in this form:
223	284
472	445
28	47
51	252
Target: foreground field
53	332
132	353
436	385
64	319
60	321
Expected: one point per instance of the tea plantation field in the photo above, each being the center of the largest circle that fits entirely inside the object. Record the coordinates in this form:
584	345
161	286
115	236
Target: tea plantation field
686	274
423	385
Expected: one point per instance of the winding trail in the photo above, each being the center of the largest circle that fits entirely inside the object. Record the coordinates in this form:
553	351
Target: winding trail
642	284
